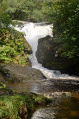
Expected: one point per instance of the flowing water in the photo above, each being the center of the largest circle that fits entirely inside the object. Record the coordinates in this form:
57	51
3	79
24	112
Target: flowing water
33	32
64	93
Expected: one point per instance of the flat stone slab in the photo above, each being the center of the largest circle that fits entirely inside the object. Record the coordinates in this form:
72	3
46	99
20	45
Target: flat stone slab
15	72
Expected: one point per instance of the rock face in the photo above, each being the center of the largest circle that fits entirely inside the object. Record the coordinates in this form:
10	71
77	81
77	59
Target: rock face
15	72
47	55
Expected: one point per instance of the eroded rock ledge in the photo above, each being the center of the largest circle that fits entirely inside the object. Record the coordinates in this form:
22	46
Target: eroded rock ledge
48	56
15	72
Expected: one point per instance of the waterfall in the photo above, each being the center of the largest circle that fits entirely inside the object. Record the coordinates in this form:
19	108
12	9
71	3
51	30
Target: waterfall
32	32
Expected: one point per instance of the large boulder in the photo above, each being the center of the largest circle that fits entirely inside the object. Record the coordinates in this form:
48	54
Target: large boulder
15	72
48	56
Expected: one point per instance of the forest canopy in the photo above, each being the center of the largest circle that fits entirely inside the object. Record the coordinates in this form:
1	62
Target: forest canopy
64	14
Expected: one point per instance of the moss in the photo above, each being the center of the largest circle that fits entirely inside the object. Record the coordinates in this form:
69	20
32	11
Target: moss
19	106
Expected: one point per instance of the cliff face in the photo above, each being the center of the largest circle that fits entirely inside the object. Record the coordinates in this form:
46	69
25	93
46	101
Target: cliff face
48	56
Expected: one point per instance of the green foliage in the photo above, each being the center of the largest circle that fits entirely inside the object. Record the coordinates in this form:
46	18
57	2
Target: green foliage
6	53
25	10
15	106
5	19
64	14
10	106
66	24
12	47
2	85
12	44
20	9
48	7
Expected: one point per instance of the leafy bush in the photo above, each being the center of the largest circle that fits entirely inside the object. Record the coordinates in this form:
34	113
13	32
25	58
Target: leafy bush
12	47
66	25
6	53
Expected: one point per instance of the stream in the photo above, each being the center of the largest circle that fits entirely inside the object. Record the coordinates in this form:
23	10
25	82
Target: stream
61	88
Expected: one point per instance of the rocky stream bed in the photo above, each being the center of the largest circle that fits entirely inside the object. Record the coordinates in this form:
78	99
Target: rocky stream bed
63	93
23	86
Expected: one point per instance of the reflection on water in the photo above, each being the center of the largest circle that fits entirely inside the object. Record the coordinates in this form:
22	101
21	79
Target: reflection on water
64	95
63	107
69	108
45	86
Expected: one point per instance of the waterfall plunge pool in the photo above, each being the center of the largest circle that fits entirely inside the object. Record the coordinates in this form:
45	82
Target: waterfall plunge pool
32	32
64	93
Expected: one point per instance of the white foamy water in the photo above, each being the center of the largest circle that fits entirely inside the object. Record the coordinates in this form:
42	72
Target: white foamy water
33	32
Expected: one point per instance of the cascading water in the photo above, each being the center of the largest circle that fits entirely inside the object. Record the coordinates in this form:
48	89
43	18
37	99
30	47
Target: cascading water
33	32
64	93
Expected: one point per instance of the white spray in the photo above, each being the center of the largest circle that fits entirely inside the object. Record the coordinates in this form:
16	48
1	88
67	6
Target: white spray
33	32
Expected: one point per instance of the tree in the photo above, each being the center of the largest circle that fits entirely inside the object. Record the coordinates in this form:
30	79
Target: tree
5	19
20	9
66	25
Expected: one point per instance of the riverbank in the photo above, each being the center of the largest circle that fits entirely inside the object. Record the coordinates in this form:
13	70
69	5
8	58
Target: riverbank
15	103
15	66
20	106
17	80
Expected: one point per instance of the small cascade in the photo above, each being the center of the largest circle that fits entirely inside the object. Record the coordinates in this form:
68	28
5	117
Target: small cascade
32	32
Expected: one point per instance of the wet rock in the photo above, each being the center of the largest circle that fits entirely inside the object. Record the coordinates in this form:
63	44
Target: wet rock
47	54
55	95
15	72
44	113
